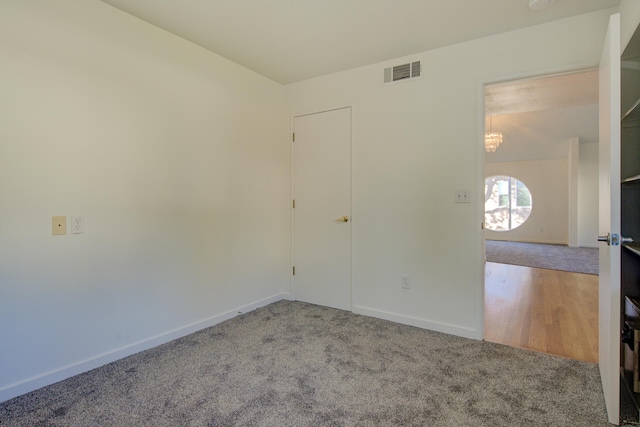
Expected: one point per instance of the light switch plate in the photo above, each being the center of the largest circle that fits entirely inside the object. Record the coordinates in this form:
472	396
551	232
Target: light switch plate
462	196
58	225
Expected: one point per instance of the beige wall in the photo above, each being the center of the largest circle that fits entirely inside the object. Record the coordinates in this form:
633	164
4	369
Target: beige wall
588	196
547	180
176	157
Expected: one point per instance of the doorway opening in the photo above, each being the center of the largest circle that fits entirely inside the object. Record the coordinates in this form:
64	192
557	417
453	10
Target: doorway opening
548	130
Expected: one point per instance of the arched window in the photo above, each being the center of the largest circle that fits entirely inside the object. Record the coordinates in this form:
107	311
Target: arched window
507	203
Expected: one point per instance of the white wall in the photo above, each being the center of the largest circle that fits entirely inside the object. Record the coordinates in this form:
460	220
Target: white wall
573	163
179	161
550	197
413	145
547	180
588	195
177	158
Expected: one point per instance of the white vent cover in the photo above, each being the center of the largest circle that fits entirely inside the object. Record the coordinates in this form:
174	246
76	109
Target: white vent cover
408	71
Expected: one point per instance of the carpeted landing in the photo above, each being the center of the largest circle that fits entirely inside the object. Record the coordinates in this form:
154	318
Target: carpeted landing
296	364
542	255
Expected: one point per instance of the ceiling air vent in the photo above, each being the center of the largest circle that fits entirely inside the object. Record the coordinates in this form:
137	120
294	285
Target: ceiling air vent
408	71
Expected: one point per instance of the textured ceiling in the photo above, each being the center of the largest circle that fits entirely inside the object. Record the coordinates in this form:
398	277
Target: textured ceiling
543	134
543	93
537	117
293	40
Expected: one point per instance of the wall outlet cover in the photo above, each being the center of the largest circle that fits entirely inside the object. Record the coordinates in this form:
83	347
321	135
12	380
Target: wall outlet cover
406	282
77	224
58	225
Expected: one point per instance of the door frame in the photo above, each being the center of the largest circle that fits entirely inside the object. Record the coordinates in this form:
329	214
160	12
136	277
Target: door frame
480	168
292	192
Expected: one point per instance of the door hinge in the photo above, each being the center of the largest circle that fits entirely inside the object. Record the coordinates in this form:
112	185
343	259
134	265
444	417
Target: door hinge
294	203
294	271
293	136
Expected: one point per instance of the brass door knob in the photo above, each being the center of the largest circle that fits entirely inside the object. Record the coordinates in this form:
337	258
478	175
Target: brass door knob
343	219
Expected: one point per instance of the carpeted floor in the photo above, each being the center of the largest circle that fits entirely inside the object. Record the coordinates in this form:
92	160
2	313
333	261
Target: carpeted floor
539	255
296	364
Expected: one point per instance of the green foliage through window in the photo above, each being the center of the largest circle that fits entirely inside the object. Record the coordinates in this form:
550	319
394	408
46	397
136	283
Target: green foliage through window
524	196
508	203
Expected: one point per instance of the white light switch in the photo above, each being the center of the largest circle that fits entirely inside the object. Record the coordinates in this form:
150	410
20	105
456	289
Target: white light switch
462	196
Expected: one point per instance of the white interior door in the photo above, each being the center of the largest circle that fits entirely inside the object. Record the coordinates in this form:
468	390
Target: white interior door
322	213
609	219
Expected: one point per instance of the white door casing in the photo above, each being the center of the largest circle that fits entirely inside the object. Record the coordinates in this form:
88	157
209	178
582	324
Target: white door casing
322	212
609	219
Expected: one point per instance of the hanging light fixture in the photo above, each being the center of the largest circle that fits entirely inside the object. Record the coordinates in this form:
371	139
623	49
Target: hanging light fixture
492	140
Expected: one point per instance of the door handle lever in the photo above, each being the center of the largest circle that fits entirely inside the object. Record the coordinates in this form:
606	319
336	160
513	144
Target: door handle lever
614	239
343	219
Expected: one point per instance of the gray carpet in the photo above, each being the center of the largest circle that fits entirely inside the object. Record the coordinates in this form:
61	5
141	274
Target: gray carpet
538	255
296	364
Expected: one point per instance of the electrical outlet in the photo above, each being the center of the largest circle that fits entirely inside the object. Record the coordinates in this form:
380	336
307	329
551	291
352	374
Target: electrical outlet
462	196
406	282
77	224
58	225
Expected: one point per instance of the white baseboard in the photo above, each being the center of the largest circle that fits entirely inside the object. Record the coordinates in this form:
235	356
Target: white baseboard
31	384
549	242
420	323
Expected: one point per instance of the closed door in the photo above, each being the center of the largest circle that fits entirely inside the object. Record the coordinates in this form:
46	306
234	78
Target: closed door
609	220
322	212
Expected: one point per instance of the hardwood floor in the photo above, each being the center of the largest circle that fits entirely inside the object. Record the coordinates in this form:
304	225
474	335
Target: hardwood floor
544	310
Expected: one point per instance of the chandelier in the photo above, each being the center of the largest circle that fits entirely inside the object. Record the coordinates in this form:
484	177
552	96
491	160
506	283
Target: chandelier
492	140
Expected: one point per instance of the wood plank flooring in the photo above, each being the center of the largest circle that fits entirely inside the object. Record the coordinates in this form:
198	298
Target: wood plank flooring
550	311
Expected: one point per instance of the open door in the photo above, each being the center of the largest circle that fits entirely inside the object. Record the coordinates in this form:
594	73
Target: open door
609	220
